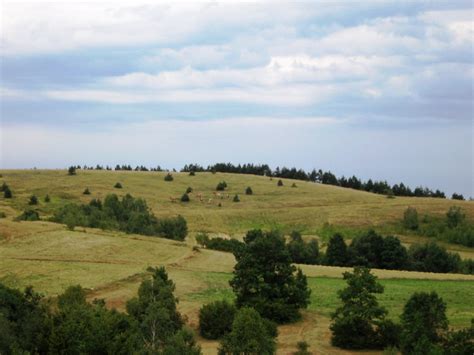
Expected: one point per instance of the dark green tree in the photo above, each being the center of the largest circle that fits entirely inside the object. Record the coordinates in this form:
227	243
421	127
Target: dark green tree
7	193
249	335
118	185
33	200
356	323
265	279
302	348
336	252
87	191
236	198
221	186
169	177
215	319
189	190
185	198
394	255
248	191
71	170
423	323
47	199
280	182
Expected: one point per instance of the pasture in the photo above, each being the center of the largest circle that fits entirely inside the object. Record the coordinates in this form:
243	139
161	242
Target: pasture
112	264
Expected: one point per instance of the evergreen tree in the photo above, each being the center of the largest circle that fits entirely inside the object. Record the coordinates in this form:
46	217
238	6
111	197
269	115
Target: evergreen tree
71	170
87	191
7	193
185	198
215	319
423	323
410	218
336	252
265	279
280	183
169	177
248	191
356	323
236	198
47	199
118	185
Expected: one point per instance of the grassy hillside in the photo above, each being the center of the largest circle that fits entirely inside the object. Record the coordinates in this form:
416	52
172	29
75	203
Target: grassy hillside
111	264
307	207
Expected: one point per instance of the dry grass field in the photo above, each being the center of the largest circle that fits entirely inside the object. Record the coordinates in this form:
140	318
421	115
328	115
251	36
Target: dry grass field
111	265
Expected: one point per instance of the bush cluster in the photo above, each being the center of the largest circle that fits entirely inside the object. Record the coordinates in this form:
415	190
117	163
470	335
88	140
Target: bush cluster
221	186
129	214
151	325
218	243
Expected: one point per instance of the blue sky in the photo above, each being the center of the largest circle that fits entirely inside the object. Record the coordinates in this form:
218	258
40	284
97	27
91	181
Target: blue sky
379	89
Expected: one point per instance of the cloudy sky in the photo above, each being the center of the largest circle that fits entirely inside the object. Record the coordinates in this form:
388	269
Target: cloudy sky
379	89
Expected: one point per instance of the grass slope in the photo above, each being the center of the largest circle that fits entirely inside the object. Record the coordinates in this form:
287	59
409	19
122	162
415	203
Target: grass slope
111	265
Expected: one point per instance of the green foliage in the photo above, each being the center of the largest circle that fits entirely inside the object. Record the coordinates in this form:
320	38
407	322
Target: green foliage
185	198
130	215
431	257
87	191
301	252
47	199
265	279
33	200
7	193
459	342
192	173
236	198
248	191
215	319
249	335
336	252
456	196
3	187
221	186
24	322
410	218
280	182
118	185
169	177
374	251
29	215
293	185
153	325
355	323
455	216
155	310
189	190
423	323
3	214
71	170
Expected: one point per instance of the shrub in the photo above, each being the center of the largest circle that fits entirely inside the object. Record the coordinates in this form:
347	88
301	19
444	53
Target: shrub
410	218
202	238
33	200
169	177
118	185
87	191
3	187
3	215
236	198
185	198
192	173
7	193
221	186
189	190
173	228
47	199
248	191
302	347
454	216
280	183
29	215
215	319
456	196
249	335
71	170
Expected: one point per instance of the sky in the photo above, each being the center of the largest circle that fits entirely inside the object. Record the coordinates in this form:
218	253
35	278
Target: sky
379	89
